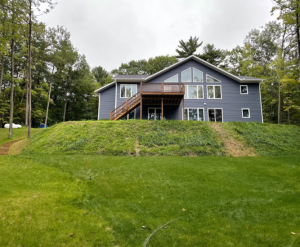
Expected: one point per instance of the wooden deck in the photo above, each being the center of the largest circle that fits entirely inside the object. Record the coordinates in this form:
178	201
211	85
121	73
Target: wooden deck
151	94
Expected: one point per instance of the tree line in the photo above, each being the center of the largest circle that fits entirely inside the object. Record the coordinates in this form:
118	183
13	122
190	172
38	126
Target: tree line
44	78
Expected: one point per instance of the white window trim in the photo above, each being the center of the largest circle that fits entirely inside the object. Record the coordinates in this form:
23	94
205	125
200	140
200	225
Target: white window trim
155	108
241	89
215	109
190	74
171	77
188	118
193	76
214	91
213	78
187	91
248	111
125	90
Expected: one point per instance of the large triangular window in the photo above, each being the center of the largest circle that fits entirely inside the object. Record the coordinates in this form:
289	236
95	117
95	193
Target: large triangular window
172	79
197	75
186	75
211	79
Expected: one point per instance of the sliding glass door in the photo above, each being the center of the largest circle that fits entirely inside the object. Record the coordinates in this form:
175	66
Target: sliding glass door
215	115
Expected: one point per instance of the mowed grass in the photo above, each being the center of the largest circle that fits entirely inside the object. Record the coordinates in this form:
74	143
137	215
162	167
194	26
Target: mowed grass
133	137
18	134
73	200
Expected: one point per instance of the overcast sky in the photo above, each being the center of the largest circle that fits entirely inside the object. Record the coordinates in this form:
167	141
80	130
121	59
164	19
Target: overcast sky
111	32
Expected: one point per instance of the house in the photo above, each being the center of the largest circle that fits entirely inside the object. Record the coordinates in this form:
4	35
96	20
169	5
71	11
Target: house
191	89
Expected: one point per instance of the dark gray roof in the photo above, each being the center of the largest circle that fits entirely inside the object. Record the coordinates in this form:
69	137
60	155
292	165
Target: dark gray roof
130	76
248	78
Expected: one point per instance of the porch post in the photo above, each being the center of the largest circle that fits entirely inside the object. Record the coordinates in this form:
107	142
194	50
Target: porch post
183	109
162	108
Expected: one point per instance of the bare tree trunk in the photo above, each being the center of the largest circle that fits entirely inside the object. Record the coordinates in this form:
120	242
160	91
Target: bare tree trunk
11	114
65	110
29	71
27	102
1	76
298	31
279	103
48	103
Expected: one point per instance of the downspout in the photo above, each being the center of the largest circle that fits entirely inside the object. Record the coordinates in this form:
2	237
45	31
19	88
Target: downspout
262	116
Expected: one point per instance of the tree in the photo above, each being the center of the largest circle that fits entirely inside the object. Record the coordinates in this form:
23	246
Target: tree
31	16
212	55
132	68
102	76
188	48
159	63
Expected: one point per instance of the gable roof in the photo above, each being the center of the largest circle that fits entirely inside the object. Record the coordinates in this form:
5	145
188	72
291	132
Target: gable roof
240	79
145	78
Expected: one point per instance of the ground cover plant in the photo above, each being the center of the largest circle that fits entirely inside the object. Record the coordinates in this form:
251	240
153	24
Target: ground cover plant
128	138
71	200
267	139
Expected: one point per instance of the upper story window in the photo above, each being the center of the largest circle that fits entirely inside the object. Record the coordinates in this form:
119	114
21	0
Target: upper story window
211	79
186	75
172	79
197	75
193	92
128	90
244	89
214	92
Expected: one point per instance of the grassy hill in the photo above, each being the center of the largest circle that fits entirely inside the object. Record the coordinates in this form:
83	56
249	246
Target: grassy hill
156	138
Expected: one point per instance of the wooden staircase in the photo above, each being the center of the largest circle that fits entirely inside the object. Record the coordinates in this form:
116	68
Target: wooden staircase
125	108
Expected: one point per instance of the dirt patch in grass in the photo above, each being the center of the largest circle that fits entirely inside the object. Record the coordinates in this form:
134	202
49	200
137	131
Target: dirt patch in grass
4	149
136	148
233	147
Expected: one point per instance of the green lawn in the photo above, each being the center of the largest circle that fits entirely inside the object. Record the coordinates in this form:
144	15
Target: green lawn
50	200
17	134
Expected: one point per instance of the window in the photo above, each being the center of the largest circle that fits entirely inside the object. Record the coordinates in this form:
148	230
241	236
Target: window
128	90
193	92
197	75
244	89
154	113
214	92
215	115
245	112
172	79
186	75
194	114
211	79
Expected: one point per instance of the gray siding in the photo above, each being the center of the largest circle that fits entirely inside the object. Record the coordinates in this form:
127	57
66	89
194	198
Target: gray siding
232	101
107	102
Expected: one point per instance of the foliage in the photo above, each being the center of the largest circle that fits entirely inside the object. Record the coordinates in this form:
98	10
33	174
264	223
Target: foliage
212	55
102	76
188	48
119	201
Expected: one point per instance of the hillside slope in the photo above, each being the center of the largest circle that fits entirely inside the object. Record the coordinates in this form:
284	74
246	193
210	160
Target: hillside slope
128	138
154	138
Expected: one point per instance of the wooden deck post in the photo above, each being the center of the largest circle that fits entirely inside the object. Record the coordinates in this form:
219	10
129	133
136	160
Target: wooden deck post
141	104
162	108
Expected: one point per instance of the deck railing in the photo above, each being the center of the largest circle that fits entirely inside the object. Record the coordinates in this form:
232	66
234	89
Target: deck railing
126	106
162	88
